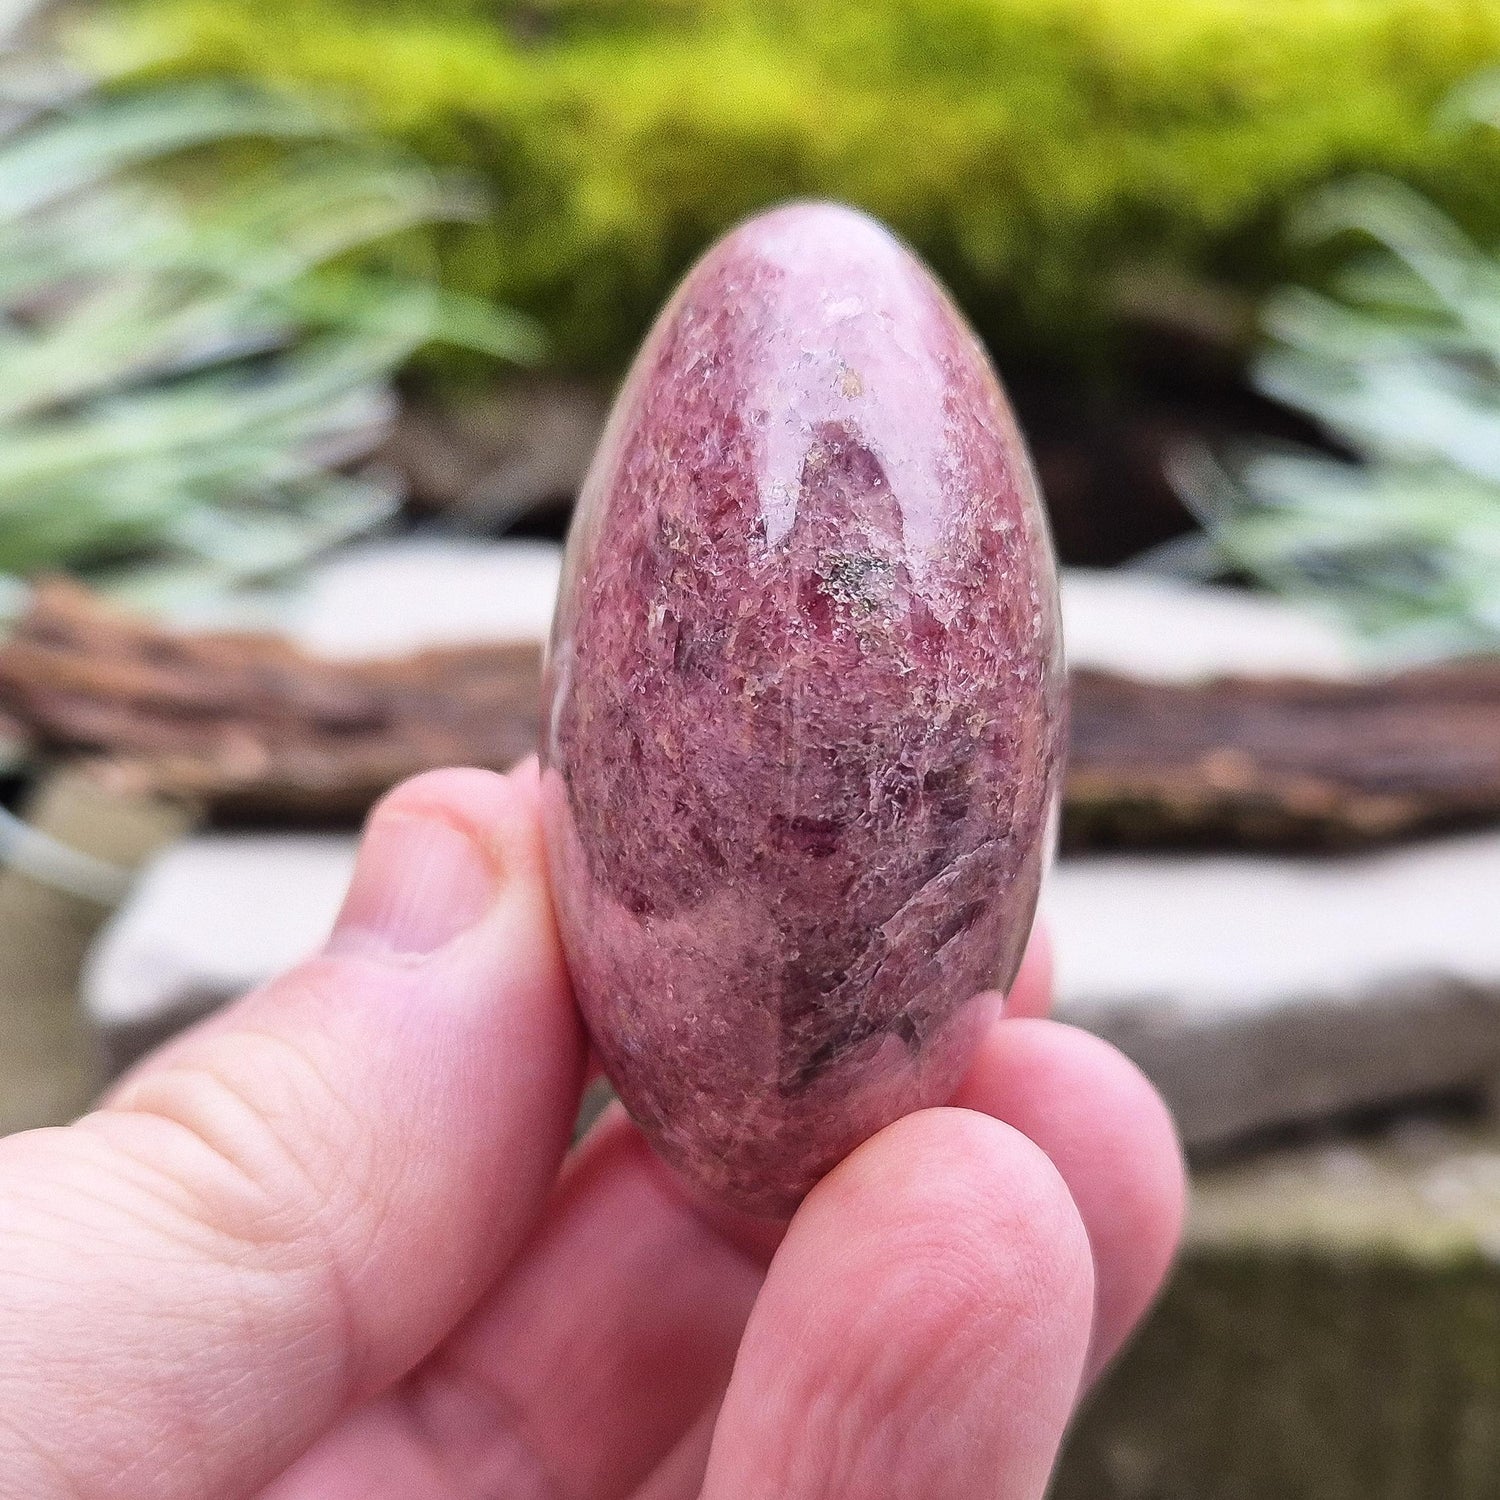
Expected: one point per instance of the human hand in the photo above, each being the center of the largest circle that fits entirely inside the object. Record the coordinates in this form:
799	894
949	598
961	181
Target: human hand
331	1244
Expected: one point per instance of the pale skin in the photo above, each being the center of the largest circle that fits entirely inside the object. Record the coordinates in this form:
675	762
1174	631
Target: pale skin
332	1244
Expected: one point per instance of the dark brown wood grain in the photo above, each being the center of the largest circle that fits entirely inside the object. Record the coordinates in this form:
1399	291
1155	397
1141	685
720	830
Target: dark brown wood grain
1283	761
254	727
249	724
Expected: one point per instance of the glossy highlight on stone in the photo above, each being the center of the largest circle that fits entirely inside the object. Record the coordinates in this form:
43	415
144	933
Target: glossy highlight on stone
804	708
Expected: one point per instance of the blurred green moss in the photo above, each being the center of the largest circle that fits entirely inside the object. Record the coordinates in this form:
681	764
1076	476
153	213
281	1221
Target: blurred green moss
1042	154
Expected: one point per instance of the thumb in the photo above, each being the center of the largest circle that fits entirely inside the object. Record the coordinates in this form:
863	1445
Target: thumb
288	1208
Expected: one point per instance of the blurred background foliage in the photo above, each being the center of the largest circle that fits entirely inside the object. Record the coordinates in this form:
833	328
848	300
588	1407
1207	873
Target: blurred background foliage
192	370
202	348
1398	365
1060	162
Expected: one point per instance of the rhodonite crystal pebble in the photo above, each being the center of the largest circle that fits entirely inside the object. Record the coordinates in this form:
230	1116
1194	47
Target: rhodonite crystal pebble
804	705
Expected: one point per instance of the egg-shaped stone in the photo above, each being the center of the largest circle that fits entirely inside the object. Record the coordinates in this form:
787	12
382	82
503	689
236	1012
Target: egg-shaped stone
804	708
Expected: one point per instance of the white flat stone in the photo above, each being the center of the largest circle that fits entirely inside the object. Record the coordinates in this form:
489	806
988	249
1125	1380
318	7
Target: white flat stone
1260	991
1256	992
389	598
392	597
210	918
1164	629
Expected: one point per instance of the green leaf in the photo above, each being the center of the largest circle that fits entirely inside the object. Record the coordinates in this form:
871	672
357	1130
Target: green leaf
190	364
1401	369
94	141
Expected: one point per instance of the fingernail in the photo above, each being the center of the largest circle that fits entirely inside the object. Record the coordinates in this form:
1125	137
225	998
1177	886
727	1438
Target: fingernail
418	883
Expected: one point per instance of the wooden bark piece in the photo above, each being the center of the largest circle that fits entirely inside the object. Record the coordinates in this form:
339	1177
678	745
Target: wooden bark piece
249	723
525	447
253	725
1282	761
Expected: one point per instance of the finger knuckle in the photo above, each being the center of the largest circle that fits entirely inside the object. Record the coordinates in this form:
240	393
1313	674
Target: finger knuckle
247	1145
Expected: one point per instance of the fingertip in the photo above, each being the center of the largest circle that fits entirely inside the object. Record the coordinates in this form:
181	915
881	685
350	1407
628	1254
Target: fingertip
1113	1140
1030	993
959	1172
498	810
526	776
936	1271
965	1198
440	851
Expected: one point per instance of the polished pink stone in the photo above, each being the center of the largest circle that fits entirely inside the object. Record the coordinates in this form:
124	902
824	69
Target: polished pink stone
804	706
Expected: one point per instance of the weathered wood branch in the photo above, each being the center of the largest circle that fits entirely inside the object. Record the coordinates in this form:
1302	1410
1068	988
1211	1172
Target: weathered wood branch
249	724
253	726
1283	761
